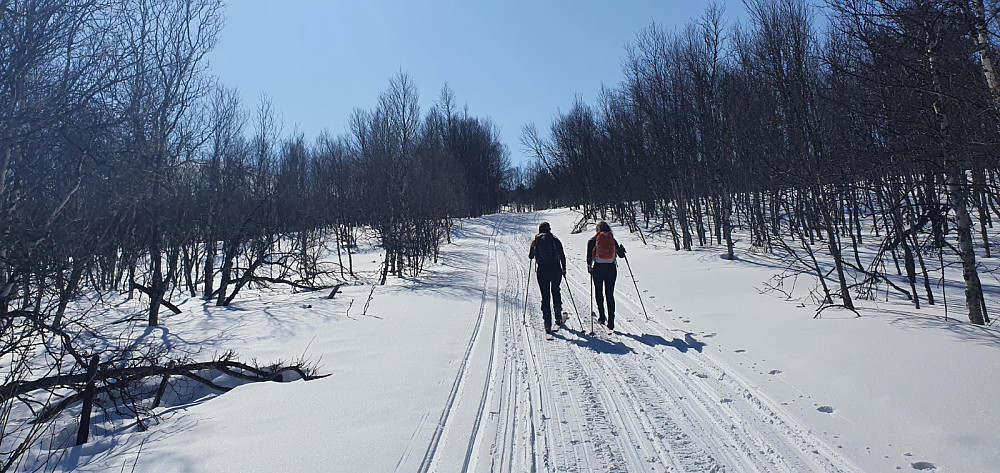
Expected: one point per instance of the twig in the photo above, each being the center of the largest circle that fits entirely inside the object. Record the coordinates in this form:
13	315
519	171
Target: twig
364	311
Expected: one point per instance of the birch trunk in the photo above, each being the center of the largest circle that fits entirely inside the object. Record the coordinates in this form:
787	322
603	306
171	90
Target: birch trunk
956	184
982	36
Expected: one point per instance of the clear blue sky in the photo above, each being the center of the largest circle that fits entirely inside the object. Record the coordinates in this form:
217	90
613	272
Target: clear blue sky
513	61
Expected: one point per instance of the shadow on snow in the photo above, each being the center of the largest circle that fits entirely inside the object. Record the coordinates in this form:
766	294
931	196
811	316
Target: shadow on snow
593	342
689	342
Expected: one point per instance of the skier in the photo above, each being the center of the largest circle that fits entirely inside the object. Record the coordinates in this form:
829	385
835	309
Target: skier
602	253
547	251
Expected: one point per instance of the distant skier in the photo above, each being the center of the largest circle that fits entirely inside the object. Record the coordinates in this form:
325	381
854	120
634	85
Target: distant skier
547	251
602	253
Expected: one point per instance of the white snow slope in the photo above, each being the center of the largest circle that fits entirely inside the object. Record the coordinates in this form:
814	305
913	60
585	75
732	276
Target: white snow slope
451	372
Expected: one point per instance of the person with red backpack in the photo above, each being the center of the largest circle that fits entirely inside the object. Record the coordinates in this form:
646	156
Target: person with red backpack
602	253
547	251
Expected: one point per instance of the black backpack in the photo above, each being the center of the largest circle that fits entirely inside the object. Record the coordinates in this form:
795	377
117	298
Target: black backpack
545	249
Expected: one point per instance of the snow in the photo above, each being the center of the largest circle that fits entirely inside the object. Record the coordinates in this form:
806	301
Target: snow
440	374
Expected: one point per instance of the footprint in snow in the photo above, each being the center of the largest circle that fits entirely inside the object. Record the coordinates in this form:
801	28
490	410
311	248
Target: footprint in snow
825	409
924	466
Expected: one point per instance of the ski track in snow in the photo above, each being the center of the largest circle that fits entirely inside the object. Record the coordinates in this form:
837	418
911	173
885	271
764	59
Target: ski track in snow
607	402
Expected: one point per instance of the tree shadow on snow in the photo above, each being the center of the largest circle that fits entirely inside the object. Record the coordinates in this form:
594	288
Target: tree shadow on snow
526	223
959	327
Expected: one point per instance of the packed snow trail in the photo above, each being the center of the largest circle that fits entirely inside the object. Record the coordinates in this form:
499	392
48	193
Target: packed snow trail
620	402
450	371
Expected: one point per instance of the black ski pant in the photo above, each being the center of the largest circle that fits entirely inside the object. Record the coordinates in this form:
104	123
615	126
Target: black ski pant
604	275
548	283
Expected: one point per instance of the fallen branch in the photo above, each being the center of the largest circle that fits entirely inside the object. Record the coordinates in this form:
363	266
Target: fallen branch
297	285
149	292
336	289
842	306
108	379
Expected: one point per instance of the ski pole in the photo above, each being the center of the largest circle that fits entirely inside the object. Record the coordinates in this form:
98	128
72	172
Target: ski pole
636	288
590	275
527	285
573	301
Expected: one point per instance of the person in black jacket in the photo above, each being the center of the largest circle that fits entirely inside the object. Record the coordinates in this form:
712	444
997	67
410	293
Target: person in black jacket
547	251
602	253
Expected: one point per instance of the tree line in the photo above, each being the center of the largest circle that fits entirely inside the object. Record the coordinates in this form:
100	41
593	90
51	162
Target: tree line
126	167
812	128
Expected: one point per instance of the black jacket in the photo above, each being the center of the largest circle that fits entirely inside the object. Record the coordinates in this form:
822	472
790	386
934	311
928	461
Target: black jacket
557	262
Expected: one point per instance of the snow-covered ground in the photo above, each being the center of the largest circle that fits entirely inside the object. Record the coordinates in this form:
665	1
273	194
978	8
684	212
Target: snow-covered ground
451	372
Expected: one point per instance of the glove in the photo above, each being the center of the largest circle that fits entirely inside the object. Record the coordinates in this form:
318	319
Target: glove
590	269
621	251
564	271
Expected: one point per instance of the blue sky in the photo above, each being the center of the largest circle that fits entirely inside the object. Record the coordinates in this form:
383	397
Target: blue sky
513	61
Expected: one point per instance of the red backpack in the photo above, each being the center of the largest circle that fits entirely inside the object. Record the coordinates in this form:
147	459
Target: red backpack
605	250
